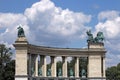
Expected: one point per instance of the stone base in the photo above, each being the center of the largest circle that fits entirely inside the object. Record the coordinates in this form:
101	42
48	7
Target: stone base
23	78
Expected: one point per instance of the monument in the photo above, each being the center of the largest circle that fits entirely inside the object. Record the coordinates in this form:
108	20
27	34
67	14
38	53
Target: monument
27	59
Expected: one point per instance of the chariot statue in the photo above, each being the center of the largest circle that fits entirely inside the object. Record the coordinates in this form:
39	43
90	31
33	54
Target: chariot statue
98	39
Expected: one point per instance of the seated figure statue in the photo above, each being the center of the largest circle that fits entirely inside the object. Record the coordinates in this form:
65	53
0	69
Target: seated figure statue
40	72
49	72
59	72
71	73
83	73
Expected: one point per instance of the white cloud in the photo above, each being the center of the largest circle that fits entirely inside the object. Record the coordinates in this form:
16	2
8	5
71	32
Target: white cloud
110	15
110	25
45	24
54	25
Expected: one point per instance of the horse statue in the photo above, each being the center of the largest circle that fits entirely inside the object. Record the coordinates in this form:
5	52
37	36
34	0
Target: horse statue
90	36
99	38
20	32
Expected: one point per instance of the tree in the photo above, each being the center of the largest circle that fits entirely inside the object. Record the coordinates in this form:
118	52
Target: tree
5	62
113	72
9	70
59	66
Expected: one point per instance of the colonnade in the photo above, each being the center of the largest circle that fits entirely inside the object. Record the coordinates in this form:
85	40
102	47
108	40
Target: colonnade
41	64
39	67
27	60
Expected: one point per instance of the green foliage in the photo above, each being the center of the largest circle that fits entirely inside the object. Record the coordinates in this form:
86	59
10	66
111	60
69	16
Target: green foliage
59	67
113	72
83	65
9	70
7	66
59	64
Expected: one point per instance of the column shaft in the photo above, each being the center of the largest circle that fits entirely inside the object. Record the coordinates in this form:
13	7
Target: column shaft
43	61
77	67
33	65
29	64
53	66
64	67
36	66
104	74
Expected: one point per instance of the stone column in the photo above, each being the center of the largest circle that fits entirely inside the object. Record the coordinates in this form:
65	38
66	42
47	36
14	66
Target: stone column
64	66
94	66
53	66
29	64
104	74
21	46
33	58
44	67
77	67
36	66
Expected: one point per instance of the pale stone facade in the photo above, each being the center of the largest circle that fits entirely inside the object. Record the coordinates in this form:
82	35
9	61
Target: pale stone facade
27	60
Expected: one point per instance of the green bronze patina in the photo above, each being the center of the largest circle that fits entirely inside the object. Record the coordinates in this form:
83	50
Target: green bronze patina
59	72
40	72
49	72
20	32
71	72
83	73
90	36
32	71
98	39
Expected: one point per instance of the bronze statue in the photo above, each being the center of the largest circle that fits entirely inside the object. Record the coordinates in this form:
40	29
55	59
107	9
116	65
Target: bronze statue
59	72
83	73
20	32
71	72
40	72
32	71
49	72
98	39
90	36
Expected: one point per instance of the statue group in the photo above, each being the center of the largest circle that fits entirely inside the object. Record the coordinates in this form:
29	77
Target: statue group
98	39
20	32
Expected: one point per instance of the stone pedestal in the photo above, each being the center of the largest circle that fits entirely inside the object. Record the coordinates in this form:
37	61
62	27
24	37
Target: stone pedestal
21	46
95	61
95	46
94	66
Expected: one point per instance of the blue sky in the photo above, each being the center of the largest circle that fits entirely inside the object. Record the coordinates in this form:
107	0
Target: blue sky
62	23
